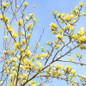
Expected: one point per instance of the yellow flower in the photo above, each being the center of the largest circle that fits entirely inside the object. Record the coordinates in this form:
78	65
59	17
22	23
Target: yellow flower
47	43
28	36
34	6
15	35
81	4
71	16
77	55
34	19
11	30
31	15
81	32
82	39
33	85
57	46
14	59
5	4
17	7
6	19
20	23
84	14
57	66
59	15
8	26
1	16
31	82
22	33
32	65
63	14
5	37
67	17
28	53
77	7
38	44
82	29
16	45
54	12
26	18
59	36
74	21
25	4
53	26
25	75
74	36
29	26
67	66
71	59
23	41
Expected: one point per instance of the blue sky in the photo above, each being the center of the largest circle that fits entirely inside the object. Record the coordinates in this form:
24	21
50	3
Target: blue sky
43	13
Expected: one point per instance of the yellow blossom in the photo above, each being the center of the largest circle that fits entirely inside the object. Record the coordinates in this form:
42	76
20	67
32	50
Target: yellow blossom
10	29
1	16
5	4
84	14
47	43
67	66
74	36
82	29
16	45
28	36
67	17
81	4
29	26
15	35
25	4
8	26
63	14
31	82
71	16
58	15
20	22
57	46
54	12
26	18
25	75
77	55
34	6
6	19
77	7
23	41
34	19
14	59
22	33
5	37
53	26
59	36
57	66
31	15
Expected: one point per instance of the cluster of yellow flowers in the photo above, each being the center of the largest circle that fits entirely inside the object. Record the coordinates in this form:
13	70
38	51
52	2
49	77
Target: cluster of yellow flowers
56	72
53	28
67	27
